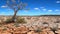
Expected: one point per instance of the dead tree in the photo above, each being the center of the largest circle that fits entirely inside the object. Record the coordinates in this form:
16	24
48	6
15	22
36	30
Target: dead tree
15	5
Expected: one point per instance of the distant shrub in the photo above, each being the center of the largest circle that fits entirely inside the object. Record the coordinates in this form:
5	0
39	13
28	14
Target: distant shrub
57	21
4	28
45	23
28	18
8	21
54	28
18	20
38	30
21	20
16	24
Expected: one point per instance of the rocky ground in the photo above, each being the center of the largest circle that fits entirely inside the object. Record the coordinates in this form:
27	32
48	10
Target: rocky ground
15	28
35	25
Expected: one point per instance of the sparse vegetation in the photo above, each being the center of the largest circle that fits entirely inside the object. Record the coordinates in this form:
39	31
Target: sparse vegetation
21	20
4	28
8	20
16	24
18	20
38	30
54	29
57	21
40	26
28	18
45	23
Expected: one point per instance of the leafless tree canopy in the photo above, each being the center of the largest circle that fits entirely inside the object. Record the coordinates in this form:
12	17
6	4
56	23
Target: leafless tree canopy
15	4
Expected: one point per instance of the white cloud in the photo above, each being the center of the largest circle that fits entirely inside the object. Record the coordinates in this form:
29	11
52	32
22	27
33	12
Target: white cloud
57	10
44	9
3	6
57	1
50	10
36	8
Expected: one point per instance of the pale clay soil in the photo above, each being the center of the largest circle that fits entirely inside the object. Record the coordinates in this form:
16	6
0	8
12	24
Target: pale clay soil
34	25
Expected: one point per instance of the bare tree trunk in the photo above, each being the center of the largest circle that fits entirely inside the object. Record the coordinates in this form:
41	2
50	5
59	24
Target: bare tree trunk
14	16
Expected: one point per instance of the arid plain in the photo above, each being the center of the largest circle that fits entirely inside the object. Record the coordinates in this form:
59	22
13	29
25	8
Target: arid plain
34	25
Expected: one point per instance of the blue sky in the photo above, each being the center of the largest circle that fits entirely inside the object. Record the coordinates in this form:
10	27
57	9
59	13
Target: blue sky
36	7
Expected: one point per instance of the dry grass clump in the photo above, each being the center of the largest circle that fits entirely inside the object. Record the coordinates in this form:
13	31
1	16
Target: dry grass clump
8	20
18	20
38	30
21	20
